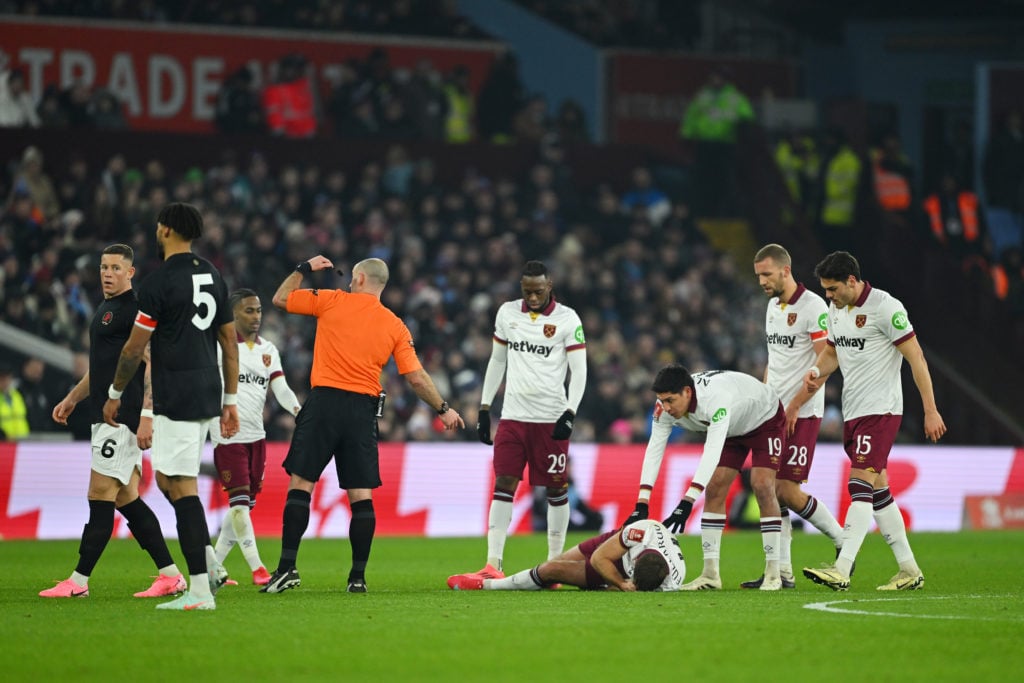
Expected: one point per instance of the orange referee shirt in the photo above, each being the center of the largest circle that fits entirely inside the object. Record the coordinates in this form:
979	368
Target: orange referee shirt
355	336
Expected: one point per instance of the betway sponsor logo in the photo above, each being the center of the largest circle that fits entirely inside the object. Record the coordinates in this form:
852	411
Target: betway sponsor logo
249	378
527	347
787	340
851	342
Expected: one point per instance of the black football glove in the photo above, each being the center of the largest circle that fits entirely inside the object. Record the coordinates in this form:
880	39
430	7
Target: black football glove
483	427
639	512
563	428
677	520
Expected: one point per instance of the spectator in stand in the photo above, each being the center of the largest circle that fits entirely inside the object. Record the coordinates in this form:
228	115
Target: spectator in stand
1004	183
643	196
501	96
427	101
17	110
711	120
32	178
51	110
38	395
107	111
531	123
289	104
75	100
238	104
570	124
459	122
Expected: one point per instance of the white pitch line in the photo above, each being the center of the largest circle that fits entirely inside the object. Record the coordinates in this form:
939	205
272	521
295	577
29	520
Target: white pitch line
830	607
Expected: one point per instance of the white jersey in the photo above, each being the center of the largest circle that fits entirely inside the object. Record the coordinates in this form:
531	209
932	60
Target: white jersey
790	331
257	366
724	404
538	345
648	534
865	336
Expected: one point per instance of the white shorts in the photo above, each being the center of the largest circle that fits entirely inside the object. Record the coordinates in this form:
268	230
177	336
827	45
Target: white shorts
178	445
115	452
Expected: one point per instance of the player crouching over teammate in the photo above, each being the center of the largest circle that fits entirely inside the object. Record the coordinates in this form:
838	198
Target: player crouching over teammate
642	556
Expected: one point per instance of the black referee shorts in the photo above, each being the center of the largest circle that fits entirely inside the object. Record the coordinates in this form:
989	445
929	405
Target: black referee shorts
339	424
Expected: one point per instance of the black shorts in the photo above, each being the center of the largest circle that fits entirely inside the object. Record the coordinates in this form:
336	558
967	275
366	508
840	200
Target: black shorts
339	424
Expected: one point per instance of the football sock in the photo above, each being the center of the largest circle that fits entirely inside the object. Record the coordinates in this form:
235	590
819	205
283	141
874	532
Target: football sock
712	524
858	522
785	544
558	523
526	580
225	539
146	529
80	579
498	521
771	538
360	535
295	521
241	524
818	514
890	522
193	538
95	536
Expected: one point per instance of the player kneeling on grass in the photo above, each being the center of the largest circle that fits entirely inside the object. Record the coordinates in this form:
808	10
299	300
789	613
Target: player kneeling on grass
642	556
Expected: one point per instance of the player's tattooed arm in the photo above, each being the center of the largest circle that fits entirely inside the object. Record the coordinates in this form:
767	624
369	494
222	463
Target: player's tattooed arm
147	381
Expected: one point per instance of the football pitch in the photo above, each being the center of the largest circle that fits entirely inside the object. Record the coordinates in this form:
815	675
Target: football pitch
966	624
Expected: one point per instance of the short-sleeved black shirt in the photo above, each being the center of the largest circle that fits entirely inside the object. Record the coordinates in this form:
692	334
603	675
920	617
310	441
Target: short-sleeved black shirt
109	330
185	303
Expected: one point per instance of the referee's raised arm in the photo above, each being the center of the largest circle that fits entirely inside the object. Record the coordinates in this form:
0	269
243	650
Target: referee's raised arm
294	279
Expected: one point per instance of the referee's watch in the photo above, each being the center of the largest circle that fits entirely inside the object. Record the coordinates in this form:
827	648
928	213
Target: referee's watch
443	409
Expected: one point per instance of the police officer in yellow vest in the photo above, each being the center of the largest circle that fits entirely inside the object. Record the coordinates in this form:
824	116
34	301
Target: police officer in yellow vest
840	181
711	120
13	415
458	126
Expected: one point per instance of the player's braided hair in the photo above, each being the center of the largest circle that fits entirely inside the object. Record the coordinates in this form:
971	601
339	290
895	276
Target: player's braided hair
649	571
183	219
236	296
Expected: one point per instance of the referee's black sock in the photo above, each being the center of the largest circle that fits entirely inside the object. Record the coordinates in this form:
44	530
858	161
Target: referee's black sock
95	535
192	533
360	535
295	521
146	529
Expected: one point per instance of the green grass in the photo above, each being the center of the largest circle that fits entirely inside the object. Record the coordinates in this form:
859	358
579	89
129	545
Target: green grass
967	624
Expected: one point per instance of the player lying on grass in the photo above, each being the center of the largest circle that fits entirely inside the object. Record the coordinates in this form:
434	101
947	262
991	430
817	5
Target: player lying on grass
642	556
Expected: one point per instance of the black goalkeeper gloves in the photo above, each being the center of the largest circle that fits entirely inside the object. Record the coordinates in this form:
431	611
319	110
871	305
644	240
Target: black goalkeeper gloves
677	520
639	512
483	427
563	427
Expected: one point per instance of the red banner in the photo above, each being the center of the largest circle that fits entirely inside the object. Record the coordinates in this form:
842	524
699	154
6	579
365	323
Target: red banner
443	489
647	93
168	77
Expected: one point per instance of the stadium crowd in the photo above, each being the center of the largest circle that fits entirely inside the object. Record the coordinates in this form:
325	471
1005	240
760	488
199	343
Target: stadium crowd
455	253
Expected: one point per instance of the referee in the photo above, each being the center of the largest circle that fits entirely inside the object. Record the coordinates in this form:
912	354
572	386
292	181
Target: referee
355	336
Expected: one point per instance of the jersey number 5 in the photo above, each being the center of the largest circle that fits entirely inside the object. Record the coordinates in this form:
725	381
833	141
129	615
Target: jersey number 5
203	300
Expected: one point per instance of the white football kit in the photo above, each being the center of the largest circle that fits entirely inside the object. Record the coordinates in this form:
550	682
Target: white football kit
866	335
790	331
648	534
257	368
537	345
727	404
